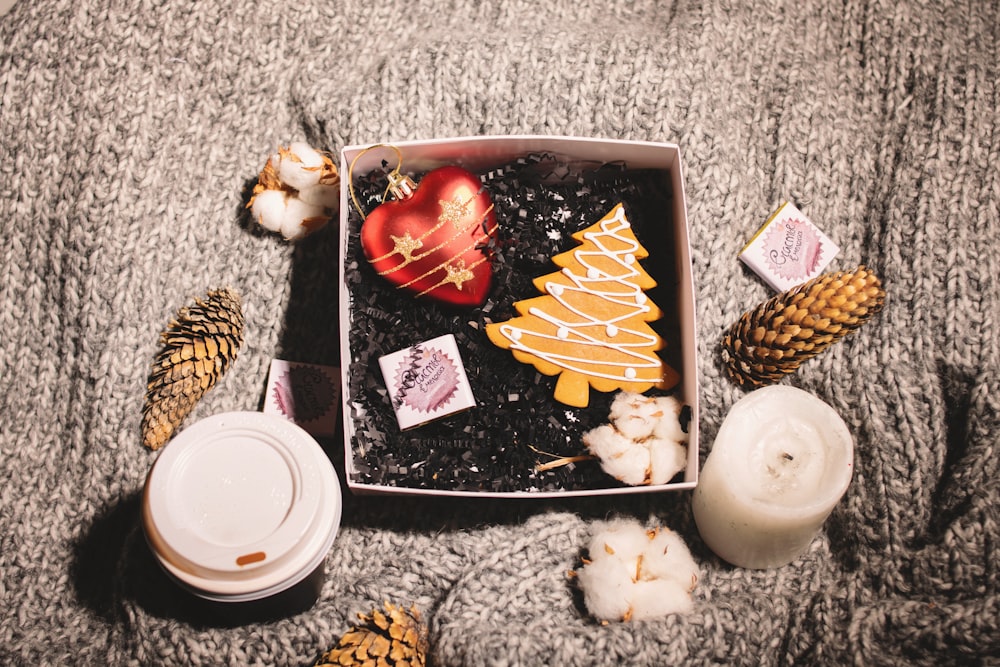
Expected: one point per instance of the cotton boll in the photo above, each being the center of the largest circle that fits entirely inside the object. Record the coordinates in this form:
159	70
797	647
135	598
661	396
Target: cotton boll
644	442
658	598
630	467
605	585
620	456
635	426
668	557
666	459
326	196
669	425
634	573
622	539
605	442
299	166
302	219
269	209
296	191
625	403
634	415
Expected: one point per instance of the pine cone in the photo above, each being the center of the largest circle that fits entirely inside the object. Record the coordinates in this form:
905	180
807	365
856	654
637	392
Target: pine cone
771	341
396	638
199	345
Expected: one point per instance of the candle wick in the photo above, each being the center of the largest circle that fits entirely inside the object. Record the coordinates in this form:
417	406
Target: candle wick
787	456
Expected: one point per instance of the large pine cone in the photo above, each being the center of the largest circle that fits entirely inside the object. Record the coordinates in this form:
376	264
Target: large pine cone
395	638
199	345
771	341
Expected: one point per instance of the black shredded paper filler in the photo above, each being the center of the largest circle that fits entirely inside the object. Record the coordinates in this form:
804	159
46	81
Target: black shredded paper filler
540	201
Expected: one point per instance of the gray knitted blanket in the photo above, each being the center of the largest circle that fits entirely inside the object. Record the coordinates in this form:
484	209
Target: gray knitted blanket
130	133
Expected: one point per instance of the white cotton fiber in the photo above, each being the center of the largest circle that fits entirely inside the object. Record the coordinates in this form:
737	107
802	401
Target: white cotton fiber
669	426
634	573
297	192
658	598
604	586
269	209
299	166
605	442
298	218
326	196
624	539
644	443
634	415
630	467
666	459
668	557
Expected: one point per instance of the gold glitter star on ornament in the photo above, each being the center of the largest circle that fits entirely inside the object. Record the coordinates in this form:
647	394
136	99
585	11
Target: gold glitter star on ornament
453	211
458	274
405	245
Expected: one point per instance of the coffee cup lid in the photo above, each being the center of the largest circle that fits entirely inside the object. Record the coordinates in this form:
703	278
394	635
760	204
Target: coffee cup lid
241	505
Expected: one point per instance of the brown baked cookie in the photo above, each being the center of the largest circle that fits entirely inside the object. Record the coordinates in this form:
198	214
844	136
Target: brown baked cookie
591	326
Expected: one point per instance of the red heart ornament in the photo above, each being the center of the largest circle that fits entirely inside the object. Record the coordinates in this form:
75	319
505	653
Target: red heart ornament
432	241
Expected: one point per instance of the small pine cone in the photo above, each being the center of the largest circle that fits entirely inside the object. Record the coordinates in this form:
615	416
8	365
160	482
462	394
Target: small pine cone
199	345
395	638
771	341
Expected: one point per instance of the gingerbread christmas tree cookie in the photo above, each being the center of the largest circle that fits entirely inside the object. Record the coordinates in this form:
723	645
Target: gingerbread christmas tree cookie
591	326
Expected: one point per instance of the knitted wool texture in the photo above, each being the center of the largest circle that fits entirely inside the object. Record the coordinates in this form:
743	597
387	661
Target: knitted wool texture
131	134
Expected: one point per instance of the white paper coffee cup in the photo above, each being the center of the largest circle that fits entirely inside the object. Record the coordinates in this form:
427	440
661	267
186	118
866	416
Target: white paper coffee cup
242	507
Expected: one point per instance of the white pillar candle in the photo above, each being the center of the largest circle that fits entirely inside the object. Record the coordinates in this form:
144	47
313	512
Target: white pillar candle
781	461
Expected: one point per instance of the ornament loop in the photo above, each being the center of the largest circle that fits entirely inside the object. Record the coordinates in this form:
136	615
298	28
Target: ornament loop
401	186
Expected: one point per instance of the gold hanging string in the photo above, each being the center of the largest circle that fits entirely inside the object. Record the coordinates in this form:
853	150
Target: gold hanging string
392	174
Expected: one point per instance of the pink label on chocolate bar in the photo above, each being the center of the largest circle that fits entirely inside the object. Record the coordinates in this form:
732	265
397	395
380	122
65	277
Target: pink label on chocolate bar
426	379
792	248
304	393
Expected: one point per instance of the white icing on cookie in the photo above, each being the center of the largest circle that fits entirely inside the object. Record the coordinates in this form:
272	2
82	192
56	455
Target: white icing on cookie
587	330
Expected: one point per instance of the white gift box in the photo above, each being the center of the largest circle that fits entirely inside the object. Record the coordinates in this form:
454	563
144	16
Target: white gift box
480	154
